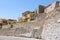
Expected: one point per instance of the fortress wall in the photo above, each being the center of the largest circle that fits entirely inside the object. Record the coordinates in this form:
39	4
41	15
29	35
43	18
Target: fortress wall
51	7
53	13
40	9
51	30
6	26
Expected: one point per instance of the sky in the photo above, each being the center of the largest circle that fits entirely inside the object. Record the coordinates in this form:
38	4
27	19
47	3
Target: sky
13	9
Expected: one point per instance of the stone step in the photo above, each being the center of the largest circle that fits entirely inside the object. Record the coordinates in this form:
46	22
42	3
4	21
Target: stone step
16	38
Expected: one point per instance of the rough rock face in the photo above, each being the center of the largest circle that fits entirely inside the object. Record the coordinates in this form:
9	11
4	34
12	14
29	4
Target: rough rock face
51	30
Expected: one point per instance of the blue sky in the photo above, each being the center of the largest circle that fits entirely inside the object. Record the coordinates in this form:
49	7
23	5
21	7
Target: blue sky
12	9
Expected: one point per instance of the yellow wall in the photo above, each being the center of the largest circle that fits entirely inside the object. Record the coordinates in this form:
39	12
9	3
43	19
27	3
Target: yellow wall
27	18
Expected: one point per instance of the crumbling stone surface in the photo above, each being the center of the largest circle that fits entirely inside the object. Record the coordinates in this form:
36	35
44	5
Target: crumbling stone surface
51	31
51	28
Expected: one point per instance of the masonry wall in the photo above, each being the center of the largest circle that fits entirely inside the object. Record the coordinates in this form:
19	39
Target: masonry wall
51	30
40	9
51	7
